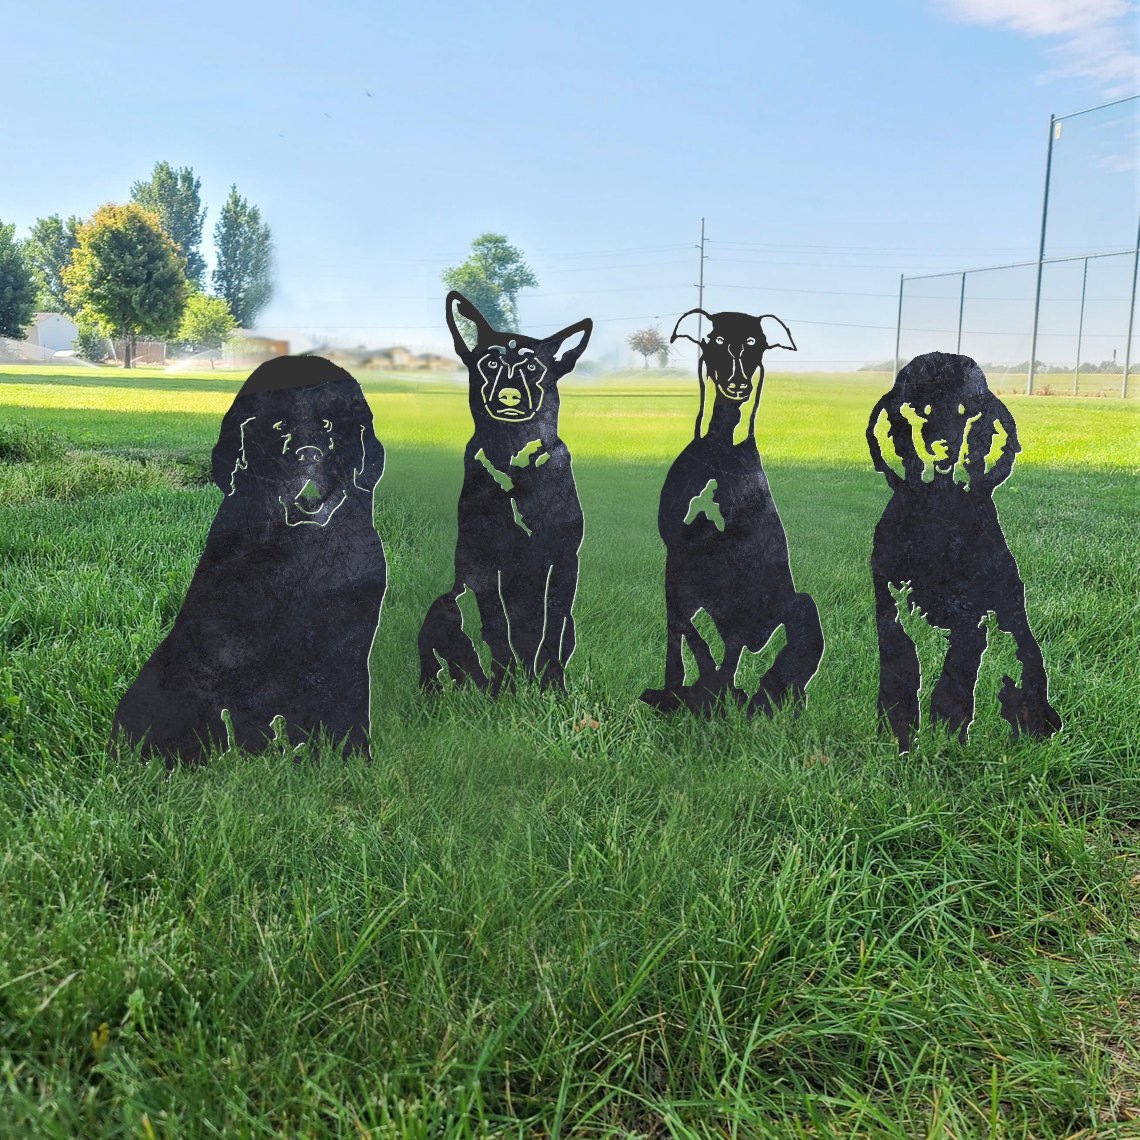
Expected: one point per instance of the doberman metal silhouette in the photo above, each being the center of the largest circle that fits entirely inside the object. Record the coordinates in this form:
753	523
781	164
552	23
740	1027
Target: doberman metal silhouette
520	521
940	536
282	610
726	552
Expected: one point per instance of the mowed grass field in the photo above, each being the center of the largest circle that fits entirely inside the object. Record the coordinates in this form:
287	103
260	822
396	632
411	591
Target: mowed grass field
565	916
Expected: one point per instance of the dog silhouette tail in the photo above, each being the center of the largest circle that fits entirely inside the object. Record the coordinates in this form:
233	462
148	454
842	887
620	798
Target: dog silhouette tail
443	638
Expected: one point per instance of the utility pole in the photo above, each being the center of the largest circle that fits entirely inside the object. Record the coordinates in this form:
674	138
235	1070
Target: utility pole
701	279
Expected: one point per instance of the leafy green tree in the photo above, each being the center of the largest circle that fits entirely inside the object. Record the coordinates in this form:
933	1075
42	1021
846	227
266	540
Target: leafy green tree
492	277
17	286
127	276
244	247
48	251
649	342
206	324
90	340
174	195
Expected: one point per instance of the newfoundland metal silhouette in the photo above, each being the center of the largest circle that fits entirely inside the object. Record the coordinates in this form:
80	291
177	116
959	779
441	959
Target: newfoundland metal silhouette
276	629
520	521
726	552
940	538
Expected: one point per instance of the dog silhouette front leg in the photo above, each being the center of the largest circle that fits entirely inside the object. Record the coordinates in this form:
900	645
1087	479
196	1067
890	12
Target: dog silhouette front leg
559	634
496	633
1026	706
442	633
680	629
796	663
952	701
898	669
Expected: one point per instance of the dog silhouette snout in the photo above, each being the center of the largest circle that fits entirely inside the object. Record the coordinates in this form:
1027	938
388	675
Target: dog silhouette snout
309	453
511	397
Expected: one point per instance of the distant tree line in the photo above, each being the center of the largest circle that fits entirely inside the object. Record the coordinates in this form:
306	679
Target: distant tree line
1106	367
136	270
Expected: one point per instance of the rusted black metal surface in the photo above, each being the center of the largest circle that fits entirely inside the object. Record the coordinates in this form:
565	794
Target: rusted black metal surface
940	538
282	610
520	520
726	552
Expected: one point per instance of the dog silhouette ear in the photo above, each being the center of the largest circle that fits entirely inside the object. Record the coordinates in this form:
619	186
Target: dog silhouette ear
569	356
894	480
999	415
228	457
678	334
777	338
469	311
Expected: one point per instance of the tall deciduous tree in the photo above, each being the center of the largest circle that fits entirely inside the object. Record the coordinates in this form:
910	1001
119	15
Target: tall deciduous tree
174	195
17	286
244	247
206	324
649	342
48	252
127	275
492	277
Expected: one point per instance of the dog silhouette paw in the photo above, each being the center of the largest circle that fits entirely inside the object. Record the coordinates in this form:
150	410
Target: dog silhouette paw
1028	711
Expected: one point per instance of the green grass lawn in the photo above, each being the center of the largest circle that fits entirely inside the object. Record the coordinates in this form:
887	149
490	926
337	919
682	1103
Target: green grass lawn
509	924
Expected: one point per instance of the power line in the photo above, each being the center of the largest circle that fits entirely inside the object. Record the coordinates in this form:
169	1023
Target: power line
813	292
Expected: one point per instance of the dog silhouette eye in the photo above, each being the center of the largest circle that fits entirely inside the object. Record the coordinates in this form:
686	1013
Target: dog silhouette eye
530	367
751	340
961	409
326	424
279	425
719	340
492	364
927	409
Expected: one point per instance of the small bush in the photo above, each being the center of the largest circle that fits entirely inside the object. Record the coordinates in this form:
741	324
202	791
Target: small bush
26	443
84	475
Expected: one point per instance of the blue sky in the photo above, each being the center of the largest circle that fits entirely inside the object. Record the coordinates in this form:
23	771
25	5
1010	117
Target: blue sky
830	147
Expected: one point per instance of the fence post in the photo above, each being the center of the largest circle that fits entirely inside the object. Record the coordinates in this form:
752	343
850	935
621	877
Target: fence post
1040	262
1080	327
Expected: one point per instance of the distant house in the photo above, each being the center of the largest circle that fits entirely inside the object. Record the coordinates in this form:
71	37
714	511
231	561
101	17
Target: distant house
400	359
49	335
247	349
52	332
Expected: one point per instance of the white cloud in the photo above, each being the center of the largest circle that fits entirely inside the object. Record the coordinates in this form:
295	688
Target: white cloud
1097	37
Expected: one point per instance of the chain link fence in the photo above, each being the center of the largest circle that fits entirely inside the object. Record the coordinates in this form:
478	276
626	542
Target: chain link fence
1064	322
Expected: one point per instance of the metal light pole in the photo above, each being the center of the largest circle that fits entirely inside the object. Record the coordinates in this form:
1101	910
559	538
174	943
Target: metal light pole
961	310
701	280
1040	261
1081	327
898	323
1131	318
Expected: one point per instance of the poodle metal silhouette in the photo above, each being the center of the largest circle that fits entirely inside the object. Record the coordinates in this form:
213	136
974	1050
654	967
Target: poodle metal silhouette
281	613
726	552
520	520
941	538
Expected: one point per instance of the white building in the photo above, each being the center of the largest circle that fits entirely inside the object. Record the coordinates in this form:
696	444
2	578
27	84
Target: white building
52	332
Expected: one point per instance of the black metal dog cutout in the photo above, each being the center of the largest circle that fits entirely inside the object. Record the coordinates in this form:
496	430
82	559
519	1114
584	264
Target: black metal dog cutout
520	521
282	610
726	552
940	536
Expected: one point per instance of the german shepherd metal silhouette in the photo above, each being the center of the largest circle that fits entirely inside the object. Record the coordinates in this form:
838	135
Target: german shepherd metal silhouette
281	613
520	520
940	537
726	552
